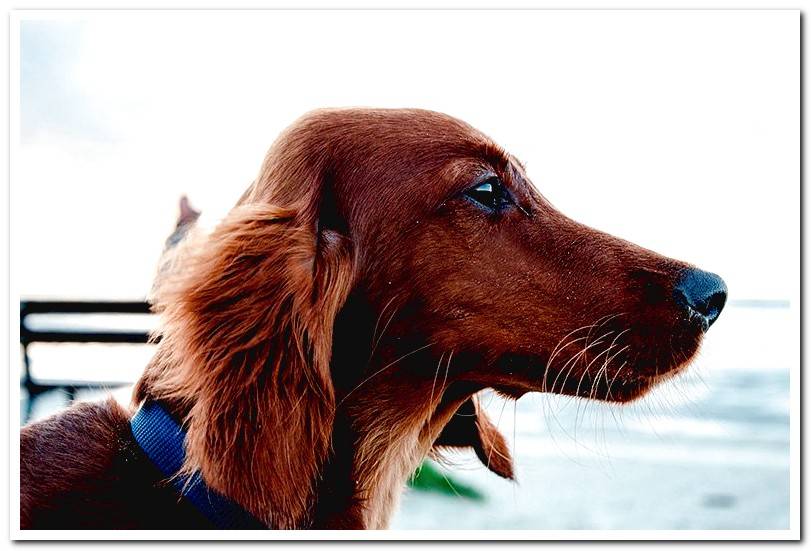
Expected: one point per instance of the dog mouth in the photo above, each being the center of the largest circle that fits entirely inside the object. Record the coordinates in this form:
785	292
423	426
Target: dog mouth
615	364
627	368
621	384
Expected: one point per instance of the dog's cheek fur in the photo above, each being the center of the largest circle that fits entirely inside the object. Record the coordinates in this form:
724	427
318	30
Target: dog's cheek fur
246	343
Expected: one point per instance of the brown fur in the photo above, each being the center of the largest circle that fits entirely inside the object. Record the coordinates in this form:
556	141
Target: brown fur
336	326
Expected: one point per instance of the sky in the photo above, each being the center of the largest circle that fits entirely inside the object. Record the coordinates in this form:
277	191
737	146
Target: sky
676	130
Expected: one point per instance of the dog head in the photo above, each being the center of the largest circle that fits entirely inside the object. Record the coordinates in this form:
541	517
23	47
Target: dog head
446	229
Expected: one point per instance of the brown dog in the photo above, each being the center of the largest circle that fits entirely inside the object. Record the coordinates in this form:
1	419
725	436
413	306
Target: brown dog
383	268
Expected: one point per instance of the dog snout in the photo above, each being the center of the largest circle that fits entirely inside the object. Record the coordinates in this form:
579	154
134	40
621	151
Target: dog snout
701	293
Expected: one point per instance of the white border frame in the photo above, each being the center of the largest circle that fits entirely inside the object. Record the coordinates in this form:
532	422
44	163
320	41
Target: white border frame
793	533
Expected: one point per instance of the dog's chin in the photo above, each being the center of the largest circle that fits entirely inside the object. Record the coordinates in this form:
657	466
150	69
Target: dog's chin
628	391
626	379
636	379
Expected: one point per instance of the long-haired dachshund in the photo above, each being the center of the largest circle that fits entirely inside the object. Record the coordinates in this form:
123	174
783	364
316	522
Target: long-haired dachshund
383	268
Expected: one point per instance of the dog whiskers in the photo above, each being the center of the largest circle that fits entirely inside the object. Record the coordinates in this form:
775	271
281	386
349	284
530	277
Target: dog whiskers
558	348
549	410
602	371
611	359
376	339
611	385
572	363
433	385
431	407
382	369
608	360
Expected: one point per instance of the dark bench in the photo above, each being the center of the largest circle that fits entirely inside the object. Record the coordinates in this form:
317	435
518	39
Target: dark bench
29	336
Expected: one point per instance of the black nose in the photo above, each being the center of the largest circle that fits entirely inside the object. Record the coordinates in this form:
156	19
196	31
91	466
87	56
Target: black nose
701	293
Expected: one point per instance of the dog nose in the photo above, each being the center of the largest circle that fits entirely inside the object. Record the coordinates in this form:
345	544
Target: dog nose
701	293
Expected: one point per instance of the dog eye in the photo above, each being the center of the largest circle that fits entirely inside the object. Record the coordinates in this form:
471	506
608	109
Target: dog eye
491	194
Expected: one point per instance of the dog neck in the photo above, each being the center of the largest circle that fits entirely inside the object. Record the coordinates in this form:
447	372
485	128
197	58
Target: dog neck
392	405
382	435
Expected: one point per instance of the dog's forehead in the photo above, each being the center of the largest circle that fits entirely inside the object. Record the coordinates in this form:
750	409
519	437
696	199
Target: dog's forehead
414	121
387	150
363	135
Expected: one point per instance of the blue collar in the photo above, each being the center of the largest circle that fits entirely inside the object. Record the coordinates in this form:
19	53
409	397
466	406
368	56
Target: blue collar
162	440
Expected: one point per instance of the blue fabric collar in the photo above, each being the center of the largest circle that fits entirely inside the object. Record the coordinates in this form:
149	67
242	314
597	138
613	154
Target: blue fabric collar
162	440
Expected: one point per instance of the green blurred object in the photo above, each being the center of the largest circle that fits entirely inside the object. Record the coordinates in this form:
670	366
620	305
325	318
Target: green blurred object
428	478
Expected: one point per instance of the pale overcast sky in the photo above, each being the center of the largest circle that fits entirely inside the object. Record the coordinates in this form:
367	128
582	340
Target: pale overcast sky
679	131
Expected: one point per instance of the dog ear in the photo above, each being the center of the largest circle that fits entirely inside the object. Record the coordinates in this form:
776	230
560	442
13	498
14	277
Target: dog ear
470	427
246	344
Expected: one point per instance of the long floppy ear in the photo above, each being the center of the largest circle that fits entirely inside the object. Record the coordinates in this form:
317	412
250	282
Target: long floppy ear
470	427
245	346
